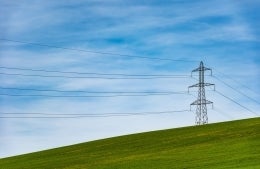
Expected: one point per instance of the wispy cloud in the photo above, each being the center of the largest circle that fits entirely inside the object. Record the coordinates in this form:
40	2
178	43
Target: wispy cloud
220	33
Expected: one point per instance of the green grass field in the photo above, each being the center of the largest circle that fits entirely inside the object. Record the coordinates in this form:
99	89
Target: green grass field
233	145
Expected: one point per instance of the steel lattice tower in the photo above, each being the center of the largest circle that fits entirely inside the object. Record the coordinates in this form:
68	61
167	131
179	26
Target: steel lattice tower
201	102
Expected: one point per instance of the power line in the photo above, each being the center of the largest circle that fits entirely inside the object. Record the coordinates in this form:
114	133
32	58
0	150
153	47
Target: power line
48	115
222	81
86	96
95	52
82	91
231	78
89	77
216	109
89	114
236	102
89	73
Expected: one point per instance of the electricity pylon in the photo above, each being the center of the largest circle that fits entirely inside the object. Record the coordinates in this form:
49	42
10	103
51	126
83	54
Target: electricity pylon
201	102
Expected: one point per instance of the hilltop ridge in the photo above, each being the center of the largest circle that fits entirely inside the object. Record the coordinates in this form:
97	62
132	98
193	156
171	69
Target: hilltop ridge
234	144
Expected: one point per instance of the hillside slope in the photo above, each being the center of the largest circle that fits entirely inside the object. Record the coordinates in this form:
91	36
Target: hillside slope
233	144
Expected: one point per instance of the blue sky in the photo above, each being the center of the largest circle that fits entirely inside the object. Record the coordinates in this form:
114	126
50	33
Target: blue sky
223	34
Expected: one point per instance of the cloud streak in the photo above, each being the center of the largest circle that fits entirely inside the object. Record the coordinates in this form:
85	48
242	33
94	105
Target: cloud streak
222	35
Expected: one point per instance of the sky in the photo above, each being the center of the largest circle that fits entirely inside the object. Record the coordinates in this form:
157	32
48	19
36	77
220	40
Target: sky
104	36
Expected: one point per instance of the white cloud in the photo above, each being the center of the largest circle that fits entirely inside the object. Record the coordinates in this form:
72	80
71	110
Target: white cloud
148	30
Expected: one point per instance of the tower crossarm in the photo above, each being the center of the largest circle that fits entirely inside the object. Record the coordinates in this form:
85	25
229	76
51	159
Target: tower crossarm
200	103
201	85
201	68
197	102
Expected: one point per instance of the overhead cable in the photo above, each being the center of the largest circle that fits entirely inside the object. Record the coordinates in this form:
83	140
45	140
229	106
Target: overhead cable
238	82
95	52
83	91
238	91
89	77
86	96
91	73
48	115
246	108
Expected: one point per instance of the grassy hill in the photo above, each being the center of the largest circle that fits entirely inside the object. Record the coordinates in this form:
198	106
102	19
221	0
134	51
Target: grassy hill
233	144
